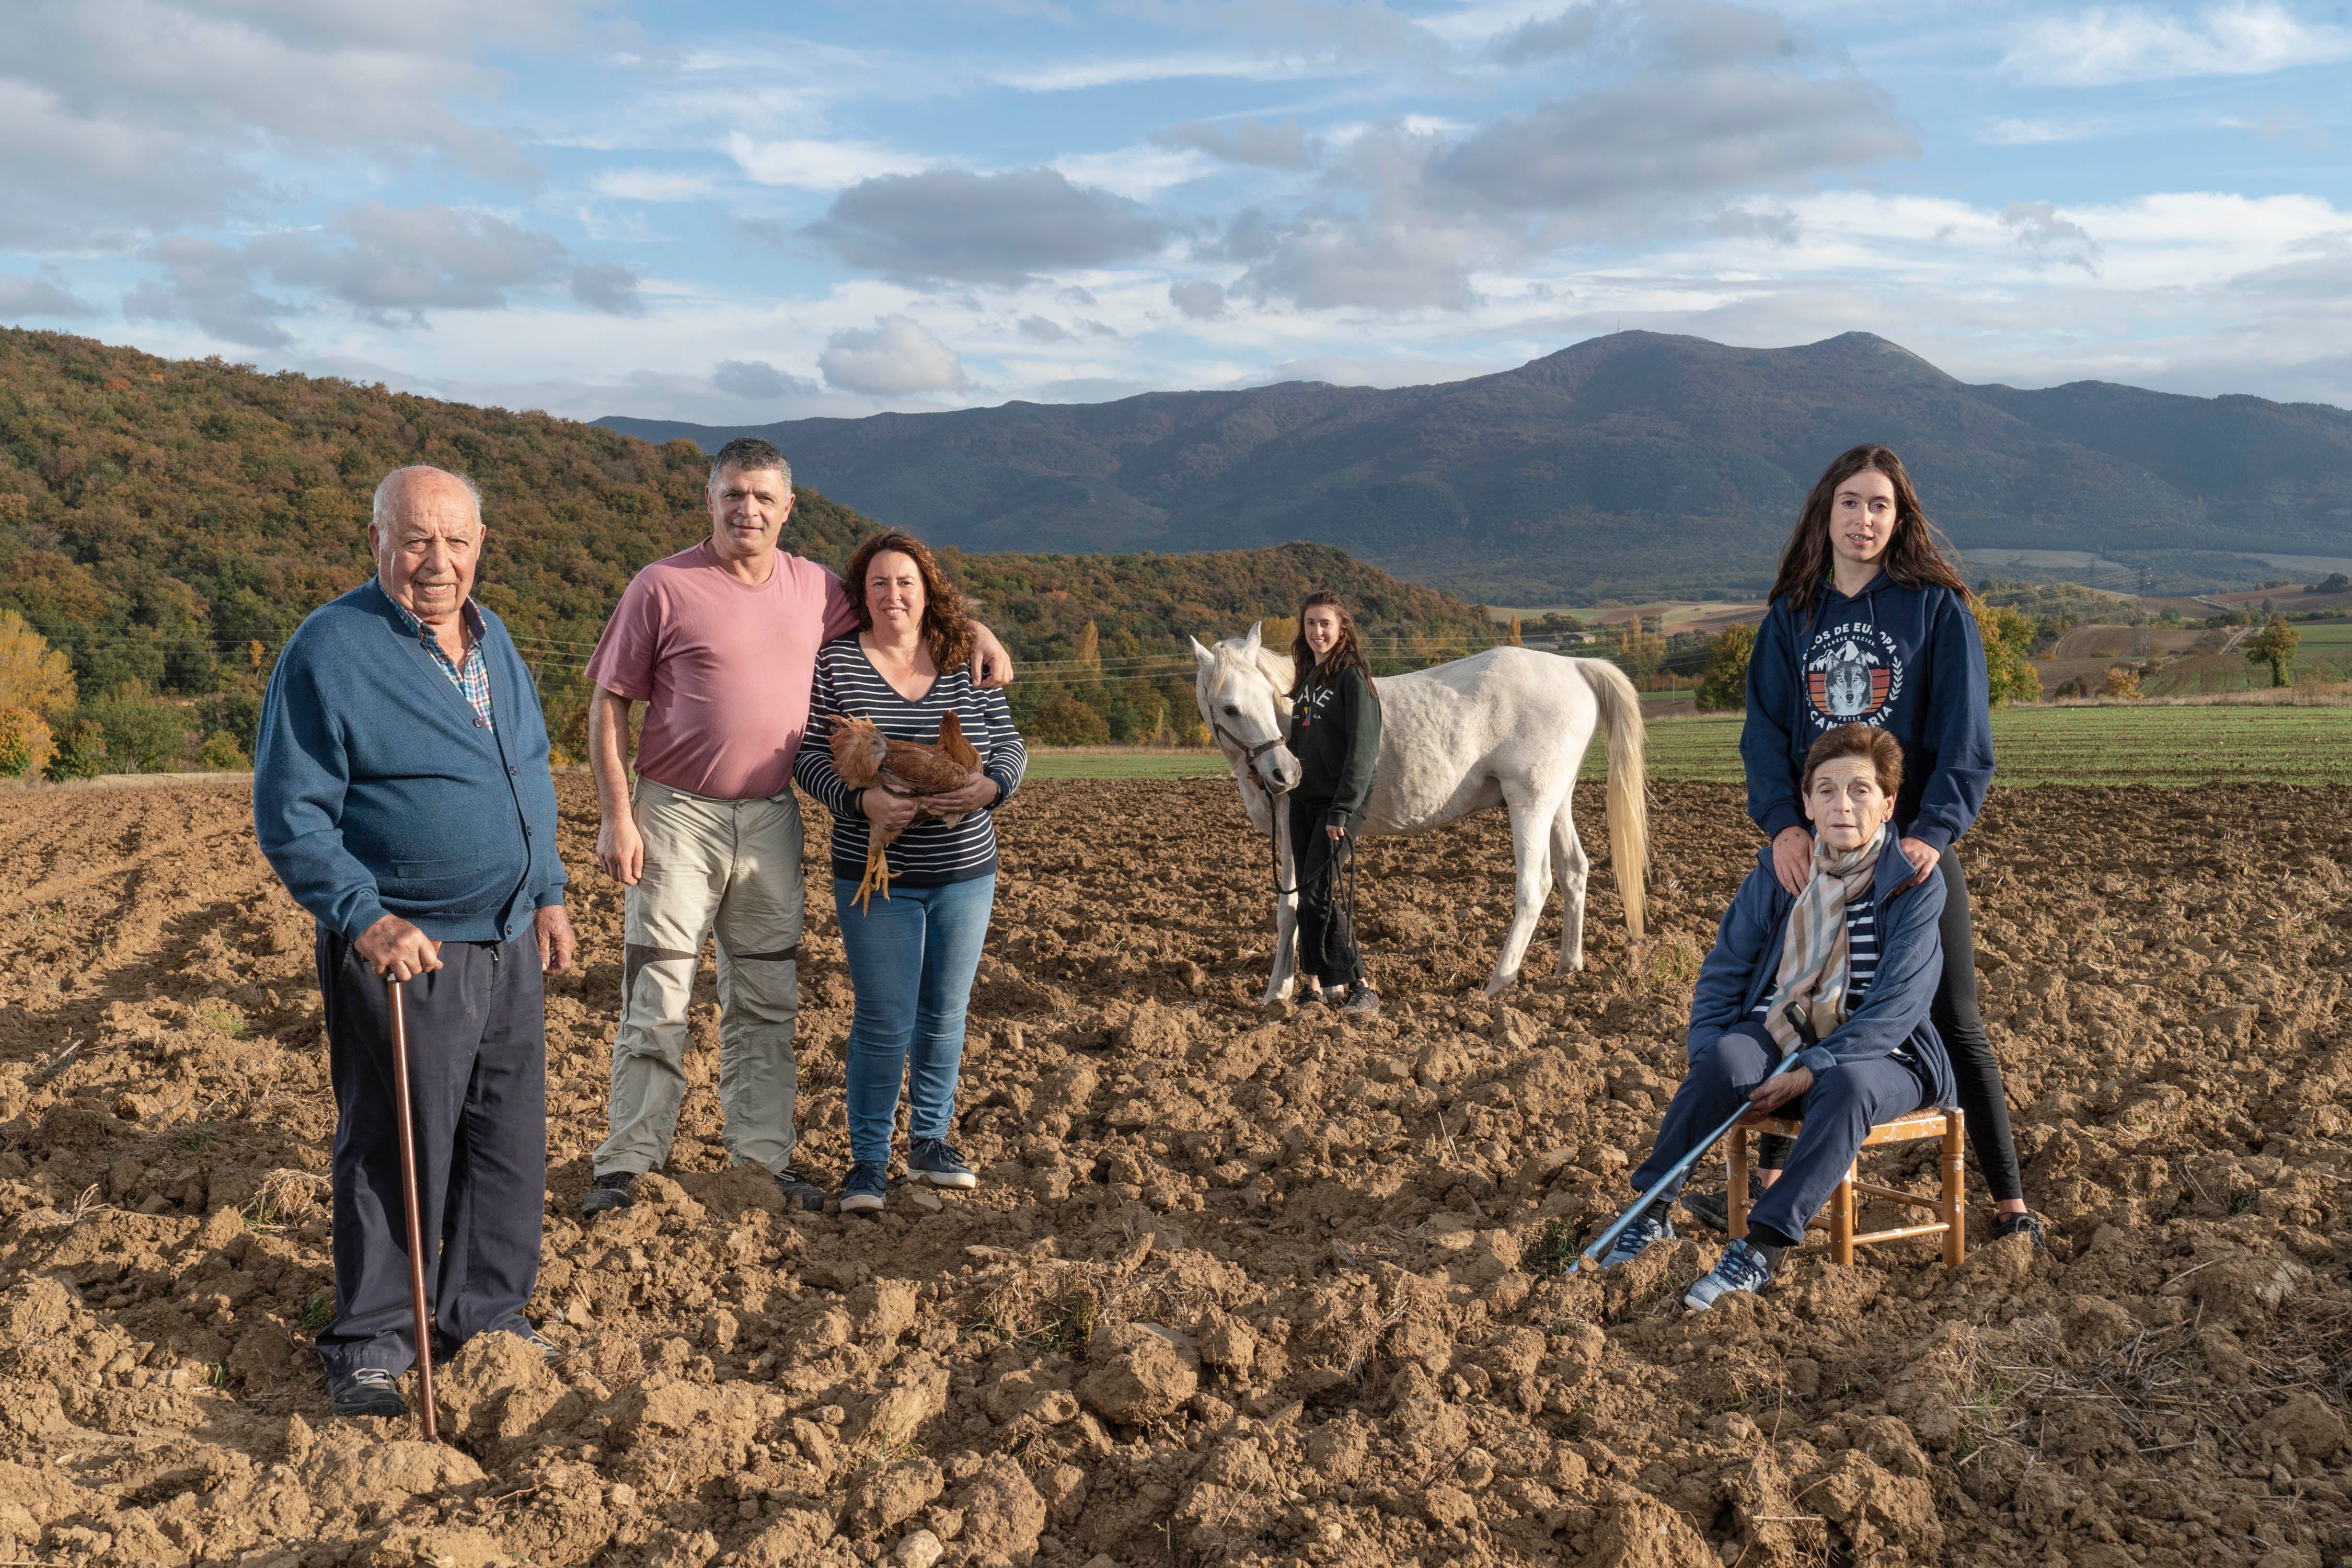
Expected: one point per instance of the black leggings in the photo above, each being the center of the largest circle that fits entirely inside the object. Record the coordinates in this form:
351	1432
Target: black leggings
1326	928
1953	1013
1966	1042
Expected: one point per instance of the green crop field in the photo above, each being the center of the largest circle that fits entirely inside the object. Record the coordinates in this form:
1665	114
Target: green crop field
2325	653
1122	762
2150	745
2154	745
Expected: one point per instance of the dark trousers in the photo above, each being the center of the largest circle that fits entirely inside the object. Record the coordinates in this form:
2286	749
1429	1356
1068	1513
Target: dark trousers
1957	1019
477	1075
1327	927
1839	1111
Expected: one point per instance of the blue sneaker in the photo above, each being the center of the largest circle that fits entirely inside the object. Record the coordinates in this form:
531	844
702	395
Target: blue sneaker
933	1159
865	1188
1741	1267
1637	1236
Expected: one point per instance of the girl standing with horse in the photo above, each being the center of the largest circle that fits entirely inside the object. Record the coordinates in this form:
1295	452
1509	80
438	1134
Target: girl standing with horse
1335	733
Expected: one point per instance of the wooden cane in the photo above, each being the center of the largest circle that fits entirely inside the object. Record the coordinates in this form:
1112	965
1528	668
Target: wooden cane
408	1201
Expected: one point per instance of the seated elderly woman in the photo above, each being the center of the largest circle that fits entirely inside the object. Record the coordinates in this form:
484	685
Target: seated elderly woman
1858	954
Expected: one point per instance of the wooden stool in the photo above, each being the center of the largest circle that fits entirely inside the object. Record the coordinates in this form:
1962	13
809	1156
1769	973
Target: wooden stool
1947	1204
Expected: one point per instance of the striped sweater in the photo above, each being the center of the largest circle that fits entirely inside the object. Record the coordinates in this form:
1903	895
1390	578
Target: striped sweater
929	854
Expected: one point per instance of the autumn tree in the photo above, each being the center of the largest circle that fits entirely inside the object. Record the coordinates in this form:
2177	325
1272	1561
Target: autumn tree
2123	681
2007	634
1639	650
33	676
2274	644
1723	688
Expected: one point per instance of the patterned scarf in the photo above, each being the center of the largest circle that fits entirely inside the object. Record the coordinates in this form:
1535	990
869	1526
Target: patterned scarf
1814	957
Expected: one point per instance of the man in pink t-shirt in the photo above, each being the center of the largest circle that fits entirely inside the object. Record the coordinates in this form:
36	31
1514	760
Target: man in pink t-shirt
720	643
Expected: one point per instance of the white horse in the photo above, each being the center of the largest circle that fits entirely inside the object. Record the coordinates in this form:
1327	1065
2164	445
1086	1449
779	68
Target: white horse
1504	727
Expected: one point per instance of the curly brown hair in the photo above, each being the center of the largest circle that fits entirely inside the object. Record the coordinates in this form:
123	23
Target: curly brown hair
1916	556
946	633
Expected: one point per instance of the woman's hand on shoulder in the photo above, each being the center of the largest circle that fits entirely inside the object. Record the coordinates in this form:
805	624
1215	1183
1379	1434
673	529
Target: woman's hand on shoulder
1924	857
1792	859
976	793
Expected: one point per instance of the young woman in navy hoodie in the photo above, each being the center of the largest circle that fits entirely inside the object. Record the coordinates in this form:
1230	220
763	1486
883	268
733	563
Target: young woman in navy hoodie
1869	625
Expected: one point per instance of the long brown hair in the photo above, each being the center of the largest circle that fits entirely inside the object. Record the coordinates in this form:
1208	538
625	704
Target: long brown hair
946	632
1916	553
1349	650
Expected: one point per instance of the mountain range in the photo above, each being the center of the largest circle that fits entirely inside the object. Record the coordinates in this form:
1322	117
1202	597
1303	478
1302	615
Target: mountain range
1630	464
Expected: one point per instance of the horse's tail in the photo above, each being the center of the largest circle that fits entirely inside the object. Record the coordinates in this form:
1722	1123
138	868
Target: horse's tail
1629	802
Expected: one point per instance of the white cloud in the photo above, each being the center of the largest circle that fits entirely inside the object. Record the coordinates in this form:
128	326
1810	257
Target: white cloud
816	166
44	295
149	114
1074	76
758	381
2108	45
1136	172
893	358
654	185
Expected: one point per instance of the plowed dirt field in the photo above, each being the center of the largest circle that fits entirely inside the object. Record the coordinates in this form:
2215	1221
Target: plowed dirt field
1236	1288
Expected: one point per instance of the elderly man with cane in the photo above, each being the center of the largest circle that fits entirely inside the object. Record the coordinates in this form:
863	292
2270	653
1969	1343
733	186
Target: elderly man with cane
401	793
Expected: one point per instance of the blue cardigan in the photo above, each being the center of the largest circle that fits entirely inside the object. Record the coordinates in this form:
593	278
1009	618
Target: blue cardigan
376	790
1906	659
1745	964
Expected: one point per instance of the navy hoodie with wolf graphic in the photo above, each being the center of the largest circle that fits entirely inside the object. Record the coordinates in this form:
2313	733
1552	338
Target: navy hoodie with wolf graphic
1906	659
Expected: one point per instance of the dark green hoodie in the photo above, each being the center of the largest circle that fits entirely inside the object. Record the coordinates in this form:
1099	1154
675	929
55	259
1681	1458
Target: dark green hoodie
1335	734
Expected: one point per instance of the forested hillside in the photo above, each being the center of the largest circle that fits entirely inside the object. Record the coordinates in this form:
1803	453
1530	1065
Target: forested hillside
1628	466
167	524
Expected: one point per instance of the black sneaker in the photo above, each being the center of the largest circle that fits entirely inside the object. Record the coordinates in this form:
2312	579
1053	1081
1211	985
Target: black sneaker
934	1159
1362	1000
2029	1224
866	1189
370	1390
1713	1210
552	1353
1311	998
799	1190
612	1190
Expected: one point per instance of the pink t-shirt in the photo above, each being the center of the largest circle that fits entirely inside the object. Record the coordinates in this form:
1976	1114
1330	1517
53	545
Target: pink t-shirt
723	668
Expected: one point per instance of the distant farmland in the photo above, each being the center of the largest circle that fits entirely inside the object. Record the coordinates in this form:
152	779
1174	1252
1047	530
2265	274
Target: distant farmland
2102	745
2197	662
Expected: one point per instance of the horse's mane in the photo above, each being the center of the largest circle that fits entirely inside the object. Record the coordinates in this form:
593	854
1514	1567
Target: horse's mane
1276	667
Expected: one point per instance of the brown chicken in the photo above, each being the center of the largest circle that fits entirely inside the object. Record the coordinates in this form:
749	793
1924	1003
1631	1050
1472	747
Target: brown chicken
867	759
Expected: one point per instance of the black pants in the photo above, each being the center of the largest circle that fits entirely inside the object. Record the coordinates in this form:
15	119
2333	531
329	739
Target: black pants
477	1075
1953	1013
1970	1048
1326	928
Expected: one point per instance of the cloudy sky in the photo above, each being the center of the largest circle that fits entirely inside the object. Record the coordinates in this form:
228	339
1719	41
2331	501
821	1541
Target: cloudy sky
752	212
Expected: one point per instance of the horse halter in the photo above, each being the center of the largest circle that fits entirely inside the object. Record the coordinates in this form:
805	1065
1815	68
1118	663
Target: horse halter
1250	754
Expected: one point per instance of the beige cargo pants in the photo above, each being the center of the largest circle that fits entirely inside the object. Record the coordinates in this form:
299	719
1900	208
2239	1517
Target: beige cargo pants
728	868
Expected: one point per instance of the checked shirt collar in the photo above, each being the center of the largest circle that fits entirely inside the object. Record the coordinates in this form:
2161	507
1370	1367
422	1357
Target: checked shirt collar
471	677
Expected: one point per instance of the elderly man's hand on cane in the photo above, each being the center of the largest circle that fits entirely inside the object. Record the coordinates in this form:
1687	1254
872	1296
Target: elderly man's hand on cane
398	950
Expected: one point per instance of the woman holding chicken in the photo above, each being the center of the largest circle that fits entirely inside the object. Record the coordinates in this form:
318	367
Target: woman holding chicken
912	951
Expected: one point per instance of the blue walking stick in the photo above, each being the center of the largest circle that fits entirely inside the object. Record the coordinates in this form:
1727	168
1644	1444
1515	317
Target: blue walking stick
1591	1257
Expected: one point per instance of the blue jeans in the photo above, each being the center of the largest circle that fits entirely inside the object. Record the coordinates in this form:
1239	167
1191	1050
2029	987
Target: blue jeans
1839	1111
911	959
